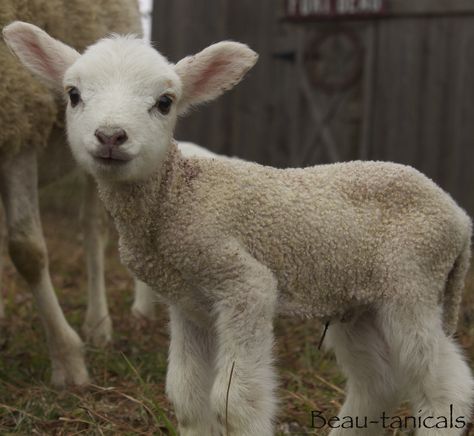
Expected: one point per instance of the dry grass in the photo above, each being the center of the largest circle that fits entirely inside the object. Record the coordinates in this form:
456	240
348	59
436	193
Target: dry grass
128	395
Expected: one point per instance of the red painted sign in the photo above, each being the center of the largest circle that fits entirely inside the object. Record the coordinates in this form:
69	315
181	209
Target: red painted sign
297	9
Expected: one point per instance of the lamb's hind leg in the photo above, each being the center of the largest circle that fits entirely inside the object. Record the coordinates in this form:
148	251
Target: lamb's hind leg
362	352
18	186
97	326
439	383
189	377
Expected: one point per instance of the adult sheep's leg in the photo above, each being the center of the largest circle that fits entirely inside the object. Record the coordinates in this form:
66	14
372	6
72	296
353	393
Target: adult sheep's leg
18	186
189	378
372	383
144	302
3	320
3	235
242	396
97	326
439	382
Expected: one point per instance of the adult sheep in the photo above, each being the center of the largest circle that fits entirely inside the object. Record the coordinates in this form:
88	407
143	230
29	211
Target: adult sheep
30	120
375	247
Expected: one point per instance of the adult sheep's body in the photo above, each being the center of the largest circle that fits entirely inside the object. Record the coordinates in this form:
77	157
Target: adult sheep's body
31	120
29	111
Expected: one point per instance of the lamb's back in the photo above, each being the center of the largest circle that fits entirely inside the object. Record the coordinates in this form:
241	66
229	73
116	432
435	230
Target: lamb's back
334	234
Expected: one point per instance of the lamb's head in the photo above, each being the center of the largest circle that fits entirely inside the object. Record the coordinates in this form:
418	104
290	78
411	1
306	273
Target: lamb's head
123	97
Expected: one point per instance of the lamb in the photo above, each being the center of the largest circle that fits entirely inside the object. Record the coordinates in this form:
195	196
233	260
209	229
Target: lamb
31	119
375	247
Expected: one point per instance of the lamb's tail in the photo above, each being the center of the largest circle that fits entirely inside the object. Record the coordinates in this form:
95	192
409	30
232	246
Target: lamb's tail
454	288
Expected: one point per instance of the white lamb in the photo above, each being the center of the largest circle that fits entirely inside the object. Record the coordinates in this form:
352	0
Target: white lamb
377	248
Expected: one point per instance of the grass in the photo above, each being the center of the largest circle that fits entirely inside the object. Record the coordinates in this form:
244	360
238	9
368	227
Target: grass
127	396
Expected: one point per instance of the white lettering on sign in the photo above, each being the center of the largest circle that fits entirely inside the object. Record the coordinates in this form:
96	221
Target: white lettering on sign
308	7
358	6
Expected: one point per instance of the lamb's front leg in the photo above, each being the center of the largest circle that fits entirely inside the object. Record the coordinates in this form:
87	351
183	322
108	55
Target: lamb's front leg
189	377
243	396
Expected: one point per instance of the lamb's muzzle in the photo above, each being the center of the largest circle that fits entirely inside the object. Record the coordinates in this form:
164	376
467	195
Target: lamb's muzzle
111	137
109	149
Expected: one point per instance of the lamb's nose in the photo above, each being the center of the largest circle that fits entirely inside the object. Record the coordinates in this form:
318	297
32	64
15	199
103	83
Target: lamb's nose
111	137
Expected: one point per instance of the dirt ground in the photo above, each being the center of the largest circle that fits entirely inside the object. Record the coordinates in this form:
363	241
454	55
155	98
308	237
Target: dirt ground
127	395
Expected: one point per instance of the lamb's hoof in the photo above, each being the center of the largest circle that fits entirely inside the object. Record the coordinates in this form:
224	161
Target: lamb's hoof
98	333
63	376
144	312
67	360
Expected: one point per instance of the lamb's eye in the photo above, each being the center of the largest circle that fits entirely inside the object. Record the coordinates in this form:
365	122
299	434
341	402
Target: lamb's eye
164	104
74	96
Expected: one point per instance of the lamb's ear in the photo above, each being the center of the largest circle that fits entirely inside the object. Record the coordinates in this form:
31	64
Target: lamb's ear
212	71
43	55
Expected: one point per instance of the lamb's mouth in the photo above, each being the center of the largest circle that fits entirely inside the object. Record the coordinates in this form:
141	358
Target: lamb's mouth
111	157
110	161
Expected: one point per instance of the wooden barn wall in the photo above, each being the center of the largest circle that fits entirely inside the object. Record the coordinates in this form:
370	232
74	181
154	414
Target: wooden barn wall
422	99
413	104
